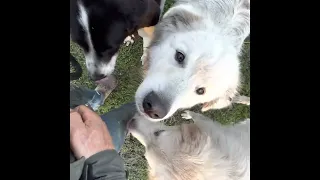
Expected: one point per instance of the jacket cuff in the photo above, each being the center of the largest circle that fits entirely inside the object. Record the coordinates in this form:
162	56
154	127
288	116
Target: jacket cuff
106	164
76	169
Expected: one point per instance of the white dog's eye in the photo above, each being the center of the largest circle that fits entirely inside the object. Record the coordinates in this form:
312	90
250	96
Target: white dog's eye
200	91
157	133
179	56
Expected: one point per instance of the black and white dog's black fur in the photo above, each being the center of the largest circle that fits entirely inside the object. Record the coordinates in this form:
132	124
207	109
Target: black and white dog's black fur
99	27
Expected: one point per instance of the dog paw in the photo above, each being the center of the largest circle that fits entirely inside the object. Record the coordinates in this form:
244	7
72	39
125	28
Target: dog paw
186	115
143	58
241	100
129	40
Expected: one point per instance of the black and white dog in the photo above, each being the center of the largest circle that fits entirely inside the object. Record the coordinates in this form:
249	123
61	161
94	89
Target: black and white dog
100	27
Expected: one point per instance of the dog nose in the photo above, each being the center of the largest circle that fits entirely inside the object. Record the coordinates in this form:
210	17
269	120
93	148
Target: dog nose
153	106
97	76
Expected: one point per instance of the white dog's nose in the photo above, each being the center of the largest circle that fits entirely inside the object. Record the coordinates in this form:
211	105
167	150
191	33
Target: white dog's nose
154	107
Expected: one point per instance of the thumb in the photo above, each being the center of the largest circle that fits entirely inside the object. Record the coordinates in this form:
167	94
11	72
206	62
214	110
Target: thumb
85	112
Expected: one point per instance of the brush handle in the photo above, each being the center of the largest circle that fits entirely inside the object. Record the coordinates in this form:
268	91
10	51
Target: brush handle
116	121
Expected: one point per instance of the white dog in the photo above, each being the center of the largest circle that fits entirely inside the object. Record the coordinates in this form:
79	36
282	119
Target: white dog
193	58
205	150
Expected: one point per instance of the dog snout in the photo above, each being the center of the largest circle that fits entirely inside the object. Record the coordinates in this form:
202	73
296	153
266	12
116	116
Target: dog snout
154	107
97	76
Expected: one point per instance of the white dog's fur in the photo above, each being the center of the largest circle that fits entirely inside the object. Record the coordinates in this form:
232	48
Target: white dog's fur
205	150
211	34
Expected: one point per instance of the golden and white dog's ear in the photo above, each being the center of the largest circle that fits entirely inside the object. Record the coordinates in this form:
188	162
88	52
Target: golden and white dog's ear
190	134
193	139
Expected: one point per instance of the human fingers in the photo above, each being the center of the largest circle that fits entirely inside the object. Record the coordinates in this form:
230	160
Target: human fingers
87	114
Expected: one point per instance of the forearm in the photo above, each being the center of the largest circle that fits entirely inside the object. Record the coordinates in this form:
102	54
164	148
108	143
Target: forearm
105	165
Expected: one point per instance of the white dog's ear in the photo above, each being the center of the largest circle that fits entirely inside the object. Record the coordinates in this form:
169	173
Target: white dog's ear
174	20
240	24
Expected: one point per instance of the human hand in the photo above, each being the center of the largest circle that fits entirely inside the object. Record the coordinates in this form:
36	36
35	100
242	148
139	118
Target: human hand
88	133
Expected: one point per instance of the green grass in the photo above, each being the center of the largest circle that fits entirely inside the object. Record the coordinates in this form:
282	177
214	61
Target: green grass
128	72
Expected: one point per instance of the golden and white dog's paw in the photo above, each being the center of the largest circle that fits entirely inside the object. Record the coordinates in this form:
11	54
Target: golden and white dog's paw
186	114
143	58
242	100
129	40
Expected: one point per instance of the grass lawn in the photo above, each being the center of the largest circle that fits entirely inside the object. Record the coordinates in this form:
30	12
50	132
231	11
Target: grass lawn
128	73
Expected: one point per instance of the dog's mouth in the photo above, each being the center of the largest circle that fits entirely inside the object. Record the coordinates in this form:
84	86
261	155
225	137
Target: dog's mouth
131	124
104	80
151	115
140	108
106	84
142	112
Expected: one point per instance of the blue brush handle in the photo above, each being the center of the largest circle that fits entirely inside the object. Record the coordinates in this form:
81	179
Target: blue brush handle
116	121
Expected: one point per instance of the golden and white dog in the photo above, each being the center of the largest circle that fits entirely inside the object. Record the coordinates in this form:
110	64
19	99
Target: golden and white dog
193	58
205	150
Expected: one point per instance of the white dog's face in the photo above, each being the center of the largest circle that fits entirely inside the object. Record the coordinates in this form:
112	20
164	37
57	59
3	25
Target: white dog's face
148	132
168	146
156	137
185	69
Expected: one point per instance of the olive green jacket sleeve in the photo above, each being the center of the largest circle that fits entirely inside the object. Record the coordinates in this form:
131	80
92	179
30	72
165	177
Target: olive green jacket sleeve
76	169
105	165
